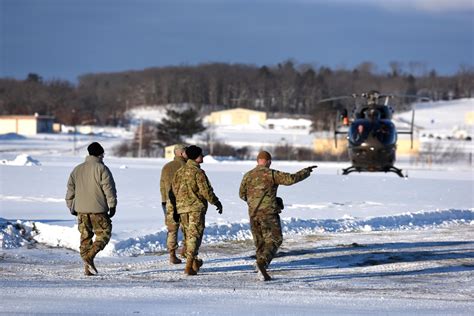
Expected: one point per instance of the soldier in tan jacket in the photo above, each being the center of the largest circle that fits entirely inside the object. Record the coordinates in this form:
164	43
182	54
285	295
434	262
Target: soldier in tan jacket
259	189
193	192
92	197
167	174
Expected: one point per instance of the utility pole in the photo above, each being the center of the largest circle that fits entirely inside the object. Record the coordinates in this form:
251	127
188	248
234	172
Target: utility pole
140	138
74	119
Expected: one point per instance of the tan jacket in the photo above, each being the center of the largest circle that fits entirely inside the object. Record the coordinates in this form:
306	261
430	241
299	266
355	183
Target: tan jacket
91	187
167	174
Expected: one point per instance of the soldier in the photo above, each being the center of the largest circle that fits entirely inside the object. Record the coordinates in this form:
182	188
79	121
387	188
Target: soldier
193	191
92	197
259	188
167	174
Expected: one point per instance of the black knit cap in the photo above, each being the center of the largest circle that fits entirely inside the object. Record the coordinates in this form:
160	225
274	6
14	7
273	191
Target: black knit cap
95	149
192	152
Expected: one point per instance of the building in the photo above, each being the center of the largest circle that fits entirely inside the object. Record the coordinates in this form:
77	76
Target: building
324	144
169	152
237	116
26	124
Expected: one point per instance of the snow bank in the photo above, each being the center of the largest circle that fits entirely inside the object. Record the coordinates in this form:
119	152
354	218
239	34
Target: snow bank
21	160
210	159
13	235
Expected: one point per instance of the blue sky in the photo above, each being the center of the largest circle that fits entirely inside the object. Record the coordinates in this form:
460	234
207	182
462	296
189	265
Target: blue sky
67	38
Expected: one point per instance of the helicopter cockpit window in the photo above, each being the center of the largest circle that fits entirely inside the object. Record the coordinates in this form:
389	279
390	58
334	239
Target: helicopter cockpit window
372	114
376	113
384	131
359	131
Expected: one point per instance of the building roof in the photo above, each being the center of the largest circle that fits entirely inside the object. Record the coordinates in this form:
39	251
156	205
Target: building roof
238	109
27	117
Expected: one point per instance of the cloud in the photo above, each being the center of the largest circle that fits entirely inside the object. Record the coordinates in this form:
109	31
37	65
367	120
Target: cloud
438	6
427	5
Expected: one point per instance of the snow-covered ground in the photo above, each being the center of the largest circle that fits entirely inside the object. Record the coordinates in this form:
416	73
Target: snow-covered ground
357	244
443	118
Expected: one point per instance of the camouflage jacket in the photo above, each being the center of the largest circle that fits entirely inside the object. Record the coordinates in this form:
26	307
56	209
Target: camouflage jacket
167	174
259	188
91	187
192	189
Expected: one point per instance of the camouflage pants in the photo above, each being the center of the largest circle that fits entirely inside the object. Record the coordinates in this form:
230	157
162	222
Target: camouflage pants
173	228
267	235
193	224
90	224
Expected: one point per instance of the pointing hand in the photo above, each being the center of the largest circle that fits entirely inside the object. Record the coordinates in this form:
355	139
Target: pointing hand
310	168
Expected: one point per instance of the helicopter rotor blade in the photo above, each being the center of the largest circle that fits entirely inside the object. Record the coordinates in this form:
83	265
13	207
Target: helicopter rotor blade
412	96
335	98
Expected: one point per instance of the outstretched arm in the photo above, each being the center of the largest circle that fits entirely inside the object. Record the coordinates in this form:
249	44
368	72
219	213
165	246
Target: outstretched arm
285	178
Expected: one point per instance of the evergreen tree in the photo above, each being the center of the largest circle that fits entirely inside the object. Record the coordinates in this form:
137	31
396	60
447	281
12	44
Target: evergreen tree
177	125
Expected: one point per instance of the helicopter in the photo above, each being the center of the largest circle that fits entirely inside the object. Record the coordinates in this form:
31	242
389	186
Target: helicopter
371	134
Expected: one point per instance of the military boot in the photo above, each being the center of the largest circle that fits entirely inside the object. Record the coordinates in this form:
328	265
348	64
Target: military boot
197	264
173	258
189	267
89	264
261	265
87	271
89	259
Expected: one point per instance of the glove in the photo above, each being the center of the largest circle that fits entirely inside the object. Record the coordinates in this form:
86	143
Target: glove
219	207
163	206
310	168
111	212
73	212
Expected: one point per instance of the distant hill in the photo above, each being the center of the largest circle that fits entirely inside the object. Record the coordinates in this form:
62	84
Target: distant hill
443	117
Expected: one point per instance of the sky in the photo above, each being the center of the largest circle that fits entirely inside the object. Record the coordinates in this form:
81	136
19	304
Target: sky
60	39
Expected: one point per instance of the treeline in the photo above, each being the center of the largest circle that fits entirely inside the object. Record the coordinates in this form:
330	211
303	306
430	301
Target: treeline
288	88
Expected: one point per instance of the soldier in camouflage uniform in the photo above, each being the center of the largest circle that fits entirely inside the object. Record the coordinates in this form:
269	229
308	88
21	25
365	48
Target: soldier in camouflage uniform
92	197
167	174
193	192
259	188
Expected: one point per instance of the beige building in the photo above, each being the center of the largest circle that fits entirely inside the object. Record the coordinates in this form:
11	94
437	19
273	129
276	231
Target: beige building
26	124
325	145
169	152
238	116
469	118
405	147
